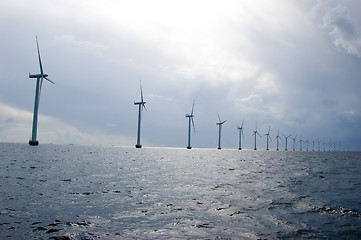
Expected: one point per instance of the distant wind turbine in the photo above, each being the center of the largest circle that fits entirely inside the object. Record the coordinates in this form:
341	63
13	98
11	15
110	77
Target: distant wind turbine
294	142
319	142
190	119
268	136
255	133
141	105
301	141
306	144
278	137
240	128
286	137
39	83
313	145
220	123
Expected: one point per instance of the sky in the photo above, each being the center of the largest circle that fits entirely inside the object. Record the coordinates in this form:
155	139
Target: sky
293	66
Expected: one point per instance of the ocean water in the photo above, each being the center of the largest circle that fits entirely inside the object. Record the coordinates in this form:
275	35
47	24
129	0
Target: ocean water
77	192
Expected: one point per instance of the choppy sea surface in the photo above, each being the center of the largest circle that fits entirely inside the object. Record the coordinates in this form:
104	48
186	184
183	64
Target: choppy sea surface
76	192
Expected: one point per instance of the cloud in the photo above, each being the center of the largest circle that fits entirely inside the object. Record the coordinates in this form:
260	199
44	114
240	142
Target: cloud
341	26
16	125
71	40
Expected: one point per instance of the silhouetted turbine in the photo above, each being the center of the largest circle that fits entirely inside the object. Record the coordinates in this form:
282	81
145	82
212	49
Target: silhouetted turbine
190	119
255	133
141	105
268	136
278	137
294	142
220	123
240	136
286	137
39	84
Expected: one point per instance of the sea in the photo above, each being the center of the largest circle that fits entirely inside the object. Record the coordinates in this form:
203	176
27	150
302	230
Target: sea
90	192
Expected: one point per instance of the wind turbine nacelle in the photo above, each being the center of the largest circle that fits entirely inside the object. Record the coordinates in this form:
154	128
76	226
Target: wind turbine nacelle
189	115
37	75
139	103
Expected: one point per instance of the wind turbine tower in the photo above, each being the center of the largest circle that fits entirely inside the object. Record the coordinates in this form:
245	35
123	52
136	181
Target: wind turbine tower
190	119
294	142
301	141
313	145
286	137
255	133
141	105
39	83
278	137
240	128
220	123
268	136
319	142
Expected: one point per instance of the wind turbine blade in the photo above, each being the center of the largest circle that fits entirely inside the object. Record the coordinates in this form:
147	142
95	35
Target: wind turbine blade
41	84
242	123
242	133
224	121
49	80
193	107
141	91
269	128
41	66
258	134
283	135
219	118
194	128
143	106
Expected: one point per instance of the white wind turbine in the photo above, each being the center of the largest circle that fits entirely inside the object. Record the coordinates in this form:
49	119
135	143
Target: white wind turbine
190	119
39	83
255	133
141	105
278	137
220	123
286	137
268	136
240	128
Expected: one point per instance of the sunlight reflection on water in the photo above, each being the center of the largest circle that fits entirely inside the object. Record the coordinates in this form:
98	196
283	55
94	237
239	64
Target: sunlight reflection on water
73	192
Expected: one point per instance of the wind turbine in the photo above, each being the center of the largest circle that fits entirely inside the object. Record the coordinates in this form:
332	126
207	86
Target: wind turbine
240	128
220	123
39	83
306	144
141	105
278	137
313	145
294	142
286	137
255	133
268	136
319	142
301	143
190	119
